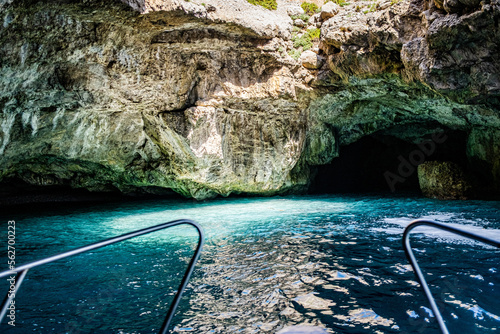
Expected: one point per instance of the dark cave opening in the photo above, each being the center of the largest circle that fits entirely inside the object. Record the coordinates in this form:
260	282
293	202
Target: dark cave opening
17	195
382	162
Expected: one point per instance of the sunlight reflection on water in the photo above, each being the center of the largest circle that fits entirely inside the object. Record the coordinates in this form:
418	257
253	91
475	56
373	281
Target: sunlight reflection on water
331	261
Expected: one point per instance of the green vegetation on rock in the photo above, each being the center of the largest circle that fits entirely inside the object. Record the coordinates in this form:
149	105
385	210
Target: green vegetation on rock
294	53
314	33
305	41
371	8
268	4
303	17
341	3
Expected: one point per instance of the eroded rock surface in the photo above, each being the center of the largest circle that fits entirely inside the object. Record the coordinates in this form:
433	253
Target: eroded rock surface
443	180
483	149
120	100
205	99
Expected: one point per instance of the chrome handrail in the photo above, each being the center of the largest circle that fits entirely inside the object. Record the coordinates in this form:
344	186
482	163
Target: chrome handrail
21	271
416	268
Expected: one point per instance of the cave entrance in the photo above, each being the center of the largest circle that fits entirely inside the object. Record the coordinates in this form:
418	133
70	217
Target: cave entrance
373	163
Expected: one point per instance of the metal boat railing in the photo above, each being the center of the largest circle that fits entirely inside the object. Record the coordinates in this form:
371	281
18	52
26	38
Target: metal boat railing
416	268
21	271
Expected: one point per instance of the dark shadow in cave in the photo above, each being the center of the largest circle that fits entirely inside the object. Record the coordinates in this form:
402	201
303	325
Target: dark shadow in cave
362	166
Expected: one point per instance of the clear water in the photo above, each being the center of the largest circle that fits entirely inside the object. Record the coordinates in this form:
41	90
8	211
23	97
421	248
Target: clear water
332	261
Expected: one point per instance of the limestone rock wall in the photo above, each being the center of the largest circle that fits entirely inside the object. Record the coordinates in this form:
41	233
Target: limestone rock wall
204	98
483	149
410	66
266	23
167	100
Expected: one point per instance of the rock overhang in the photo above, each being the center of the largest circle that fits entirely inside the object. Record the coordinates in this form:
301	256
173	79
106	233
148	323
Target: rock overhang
230	116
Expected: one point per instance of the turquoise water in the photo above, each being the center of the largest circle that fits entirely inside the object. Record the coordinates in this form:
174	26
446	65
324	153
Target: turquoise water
332	261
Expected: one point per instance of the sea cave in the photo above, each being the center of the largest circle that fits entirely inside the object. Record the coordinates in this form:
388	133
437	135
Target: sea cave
276	153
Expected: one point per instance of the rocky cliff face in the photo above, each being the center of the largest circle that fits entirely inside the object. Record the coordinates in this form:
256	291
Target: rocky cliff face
204	99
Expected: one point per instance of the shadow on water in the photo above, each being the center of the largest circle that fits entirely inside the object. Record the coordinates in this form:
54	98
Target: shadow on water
333	261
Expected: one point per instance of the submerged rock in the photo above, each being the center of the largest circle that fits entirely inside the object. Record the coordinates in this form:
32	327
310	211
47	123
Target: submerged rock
443	180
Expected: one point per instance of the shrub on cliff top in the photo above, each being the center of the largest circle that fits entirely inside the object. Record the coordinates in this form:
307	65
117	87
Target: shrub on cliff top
314	33
268	4
341	3
309	8
305	41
